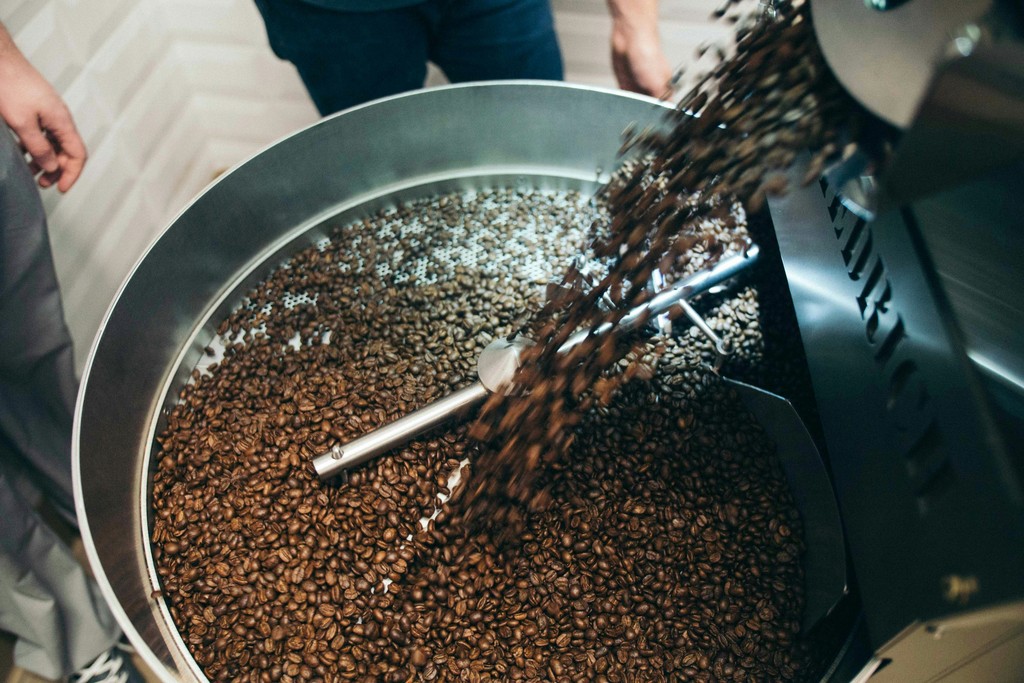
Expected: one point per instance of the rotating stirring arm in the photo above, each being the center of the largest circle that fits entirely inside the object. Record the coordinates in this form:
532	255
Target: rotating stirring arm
499	361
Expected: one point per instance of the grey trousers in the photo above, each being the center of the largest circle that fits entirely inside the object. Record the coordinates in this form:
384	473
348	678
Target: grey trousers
47	601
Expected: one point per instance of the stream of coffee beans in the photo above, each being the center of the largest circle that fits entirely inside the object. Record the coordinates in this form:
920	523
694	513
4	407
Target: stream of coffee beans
623	520
732	137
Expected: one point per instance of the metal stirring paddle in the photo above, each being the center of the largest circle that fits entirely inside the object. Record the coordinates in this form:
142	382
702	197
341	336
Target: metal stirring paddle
501	358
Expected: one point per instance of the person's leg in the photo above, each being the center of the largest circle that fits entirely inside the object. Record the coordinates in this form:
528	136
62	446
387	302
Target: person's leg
346	58
37	380
480	40
47	601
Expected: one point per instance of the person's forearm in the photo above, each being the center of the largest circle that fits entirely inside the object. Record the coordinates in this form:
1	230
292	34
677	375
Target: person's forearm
10	55
6	42
38	116
13	67
634	22
635	16
637	59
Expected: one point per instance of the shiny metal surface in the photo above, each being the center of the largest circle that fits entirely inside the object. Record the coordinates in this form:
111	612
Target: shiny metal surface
496	367
983	646
970	123
468	136
949	72
824	562
972	235
722	349
401	431
928	480
887	58
698	283
499	361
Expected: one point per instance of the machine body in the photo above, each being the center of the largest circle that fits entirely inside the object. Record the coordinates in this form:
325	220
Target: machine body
908	300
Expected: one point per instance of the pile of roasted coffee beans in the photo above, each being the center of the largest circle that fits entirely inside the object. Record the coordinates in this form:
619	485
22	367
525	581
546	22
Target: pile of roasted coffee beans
669	548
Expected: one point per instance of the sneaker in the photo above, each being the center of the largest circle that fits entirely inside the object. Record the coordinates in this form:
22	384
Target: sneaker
113	666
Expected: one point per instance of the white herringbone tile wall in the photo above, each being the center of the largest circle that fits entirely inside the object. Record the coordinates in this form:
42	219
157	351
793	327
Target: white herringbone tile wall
167	93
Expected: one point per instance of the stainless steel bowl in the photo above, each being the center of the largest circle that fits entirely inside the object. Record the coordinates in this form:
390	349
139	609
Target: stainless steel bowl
506	134
527	135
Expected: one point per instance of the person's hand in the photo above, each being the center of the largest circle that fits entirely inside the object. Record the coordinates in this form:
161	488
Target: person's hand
637	59
40	119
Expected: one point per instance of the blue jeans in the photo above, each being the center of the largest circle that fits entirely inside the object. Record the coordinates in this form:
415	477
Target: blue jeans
345	58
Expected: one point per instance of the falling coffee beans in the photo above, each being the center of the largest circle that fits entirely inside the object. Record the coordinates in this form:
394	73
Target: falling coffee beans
730	140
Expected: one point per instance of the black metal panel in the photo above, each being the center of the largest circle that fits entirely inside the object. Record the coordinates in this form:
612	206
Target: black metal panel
931	504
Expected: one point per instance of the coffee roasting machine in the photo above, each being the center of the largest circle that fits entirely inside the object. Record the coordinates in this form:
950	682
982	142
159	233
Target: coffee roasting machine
906	286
